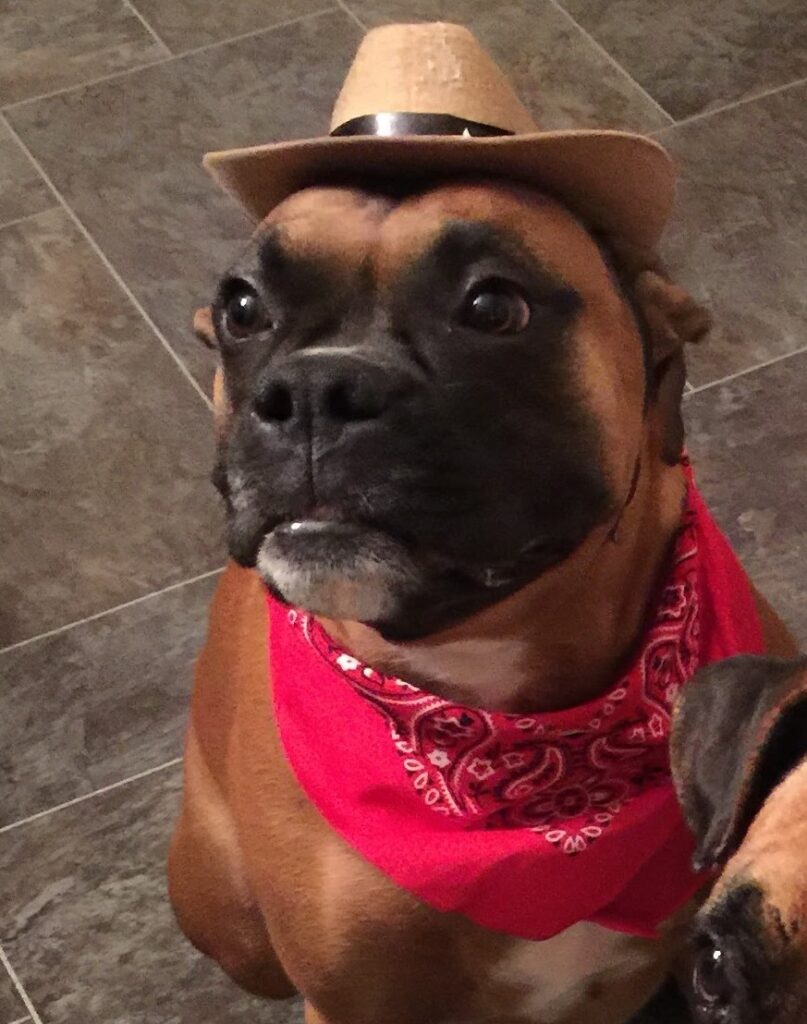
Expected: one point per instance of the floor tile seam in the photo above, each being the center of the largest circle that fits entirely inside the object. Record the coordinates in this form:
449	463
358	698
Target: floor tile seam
352	14
92	795
169	58
28	216
113	610
603	51
147	26
20	988
744	101
107	262
747	372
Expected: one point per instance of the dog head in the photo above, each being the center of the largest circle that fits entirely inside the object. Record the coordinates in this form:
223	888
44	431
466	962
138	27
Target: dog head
428	401
739	752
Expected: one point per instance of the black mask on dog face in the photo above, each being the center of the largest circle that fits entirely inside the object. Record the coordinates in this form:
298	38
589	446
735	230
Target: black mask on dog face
410	439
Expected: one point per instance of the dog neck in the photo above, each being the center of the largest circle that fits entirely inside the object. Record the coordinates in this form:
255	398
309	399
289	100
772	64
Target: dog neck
560	640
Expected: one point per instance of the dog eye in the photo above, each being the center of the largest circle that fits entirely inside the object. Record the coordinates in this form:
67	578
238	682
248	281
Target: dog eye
710	980
243	310
495	307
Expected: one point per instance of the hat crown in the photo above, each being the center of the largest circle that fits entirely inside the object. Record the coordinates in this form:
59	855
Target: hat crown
435	68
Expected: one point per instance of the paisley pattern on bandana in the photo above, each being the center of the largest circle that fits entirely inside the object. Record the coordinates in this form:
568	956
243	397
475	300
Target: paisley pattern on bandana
565	775
525	824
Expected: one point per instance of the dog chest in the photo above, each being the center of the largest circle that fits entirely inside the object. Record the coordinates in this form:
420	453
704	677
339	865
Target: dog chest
551	980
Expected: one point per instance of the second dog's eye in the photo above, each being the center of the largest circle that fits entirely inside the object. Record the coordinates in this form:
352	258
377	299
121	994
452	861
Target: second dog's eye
243	310
711	982
495	307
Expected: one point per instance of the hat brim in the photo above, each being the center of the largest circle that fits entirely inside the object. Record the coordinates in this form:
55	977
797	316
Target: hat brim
617	182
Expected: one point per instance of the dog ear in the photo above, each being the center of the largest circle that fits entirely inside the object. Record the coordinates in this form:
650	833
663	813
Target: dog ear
740	727
203	326
670	319
204	330
671	315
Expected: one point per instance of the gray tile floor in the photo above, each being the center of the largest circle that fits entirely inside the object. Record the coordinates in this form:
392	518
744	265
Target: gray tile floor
110	235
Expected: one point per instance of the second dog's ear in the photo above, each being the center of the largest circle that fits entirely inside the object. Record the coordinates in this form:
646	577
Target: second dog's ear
740	727
203	326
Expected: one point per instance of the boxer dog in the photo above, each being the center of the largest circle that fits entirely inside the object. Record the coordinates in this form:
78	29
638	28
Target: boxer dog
739	753
451	432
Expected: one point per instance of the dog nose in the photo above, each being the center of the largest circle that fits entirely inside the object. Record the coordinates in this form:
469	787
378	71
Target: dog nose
330	389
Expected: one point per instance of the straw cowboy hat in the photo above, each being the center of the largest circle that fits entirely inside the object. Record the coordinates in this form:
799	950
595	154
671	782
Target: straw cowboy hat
426	102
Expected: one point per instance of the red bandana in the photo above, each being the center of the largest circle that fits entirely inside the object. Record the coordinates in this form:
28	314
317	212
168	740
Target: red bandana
526	824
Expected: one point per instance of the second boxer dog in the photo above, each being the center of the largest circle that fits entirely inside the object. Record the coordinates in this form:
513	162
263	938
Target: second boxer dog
427	774
740	763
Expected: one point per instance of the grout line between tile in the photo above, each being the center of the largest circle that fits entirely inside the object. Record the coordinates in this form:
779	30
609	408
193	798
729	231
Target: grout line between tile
109	611
27	216
168	59
147	26
745	373
704	115
332	9
82	799
15	981
9	107
21	1020
613	62
352	14
107	263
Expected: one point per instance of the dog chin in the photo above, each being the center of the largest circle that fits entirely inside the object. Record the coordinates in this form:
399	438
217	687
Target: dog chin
337	570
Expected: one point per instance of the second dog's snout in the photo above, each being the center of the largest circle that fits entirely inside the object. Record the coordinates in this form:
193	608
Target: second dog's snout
329	390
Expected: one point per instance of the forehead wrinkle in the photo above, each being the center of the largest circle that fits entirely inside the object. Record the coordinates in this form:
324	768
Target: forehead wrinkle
548	232
404	238
456	241
334	227
537	225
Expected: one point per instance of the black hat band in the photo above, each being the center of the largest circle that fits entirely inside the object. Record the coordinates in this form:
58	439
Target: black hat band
397	124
